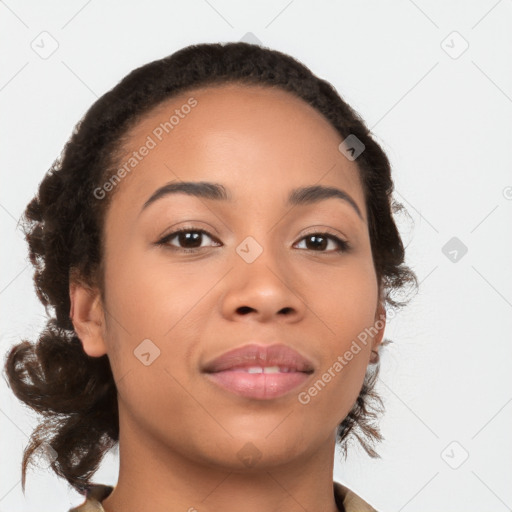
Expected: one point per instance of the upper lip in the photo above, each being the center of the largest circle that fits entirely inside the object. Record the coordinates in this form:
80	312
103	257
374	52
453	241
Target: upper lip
260	355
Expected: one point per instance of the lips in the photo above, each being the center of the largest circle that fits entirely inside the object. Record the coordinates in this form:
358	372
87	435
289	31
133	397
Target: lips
251	357
259	372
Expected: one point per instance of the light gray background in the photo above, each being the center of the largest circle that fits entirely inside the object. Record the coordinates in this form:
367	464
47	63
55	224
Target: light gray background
444	120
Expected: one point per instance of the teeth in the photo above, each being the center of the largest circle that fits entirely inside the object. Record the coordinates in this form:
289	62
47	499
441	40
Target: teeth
271	369
267	369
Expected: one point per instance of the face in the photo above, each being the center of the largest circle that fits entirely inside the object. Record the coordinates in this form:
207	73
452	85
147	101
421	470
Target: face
250	268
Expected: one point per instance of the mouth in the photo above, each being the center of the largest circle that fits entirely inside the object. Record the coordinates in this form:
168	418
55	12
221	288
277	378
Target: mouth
258	371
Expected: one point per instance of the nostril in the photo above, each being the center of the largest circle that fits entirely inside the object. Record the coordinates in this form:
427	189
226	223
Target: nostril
244	309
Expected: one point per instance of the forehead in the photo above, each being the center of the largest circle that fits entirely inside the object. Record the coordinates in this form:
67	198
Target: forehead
257	140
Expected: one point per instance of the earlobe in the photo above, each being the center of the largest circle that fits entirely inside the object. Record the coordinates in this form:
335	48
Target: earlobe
86	314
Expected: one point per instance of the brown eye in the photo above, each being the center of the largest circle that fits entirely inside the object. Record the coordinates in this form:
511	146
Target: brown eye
320	241
187	239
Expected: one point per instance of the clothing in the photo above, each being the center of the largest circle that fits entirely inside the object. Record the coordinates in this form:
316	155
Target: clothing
346	500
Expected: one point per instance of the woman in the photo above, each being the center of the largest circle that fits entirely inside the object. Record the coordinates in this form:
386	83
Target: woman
218	245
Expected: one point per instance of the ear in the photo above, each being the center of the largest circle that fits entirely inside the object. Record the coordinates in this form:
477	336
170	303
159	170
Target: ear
380	325
88	319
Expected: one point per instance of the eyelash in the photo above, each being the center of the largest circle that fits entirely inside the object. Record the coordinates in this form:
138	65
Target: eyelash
344	246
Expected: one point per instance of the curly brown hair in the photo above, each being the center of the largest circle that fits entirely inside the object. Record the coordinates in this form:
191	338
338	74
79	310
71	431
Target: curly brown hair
75	393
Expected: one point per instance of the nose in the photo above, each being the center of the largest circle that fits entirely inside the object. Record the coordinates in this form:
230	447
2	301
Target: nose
264	290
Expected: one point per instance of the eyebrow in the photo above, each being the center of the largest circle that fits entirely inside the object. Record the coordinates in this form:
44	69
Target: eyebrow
217	192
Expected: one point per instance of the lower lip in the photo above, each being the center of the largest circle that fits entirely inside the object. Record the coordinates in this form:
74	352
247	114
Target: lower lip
262	386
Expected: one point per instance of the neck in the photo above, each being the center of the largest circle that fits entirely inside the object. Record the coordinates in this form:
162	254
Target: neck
154	476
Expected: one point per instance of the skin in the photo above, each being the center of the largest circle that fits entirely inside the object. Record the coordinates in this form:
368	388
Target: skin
180	434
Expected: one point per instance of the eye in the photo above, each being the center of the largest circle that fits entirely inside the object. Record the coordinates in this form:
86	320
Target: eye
318	242
189	238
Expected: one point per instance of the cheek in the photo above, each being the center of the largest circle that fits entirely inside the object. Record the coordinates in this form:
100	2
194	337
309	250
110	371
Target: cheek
347	312
150	329
149	294
346	301
153	307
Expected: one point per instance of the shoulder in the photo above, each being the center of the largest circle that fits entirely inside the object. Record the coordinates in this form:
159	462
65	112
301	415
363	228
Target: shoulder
349	500
95	494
